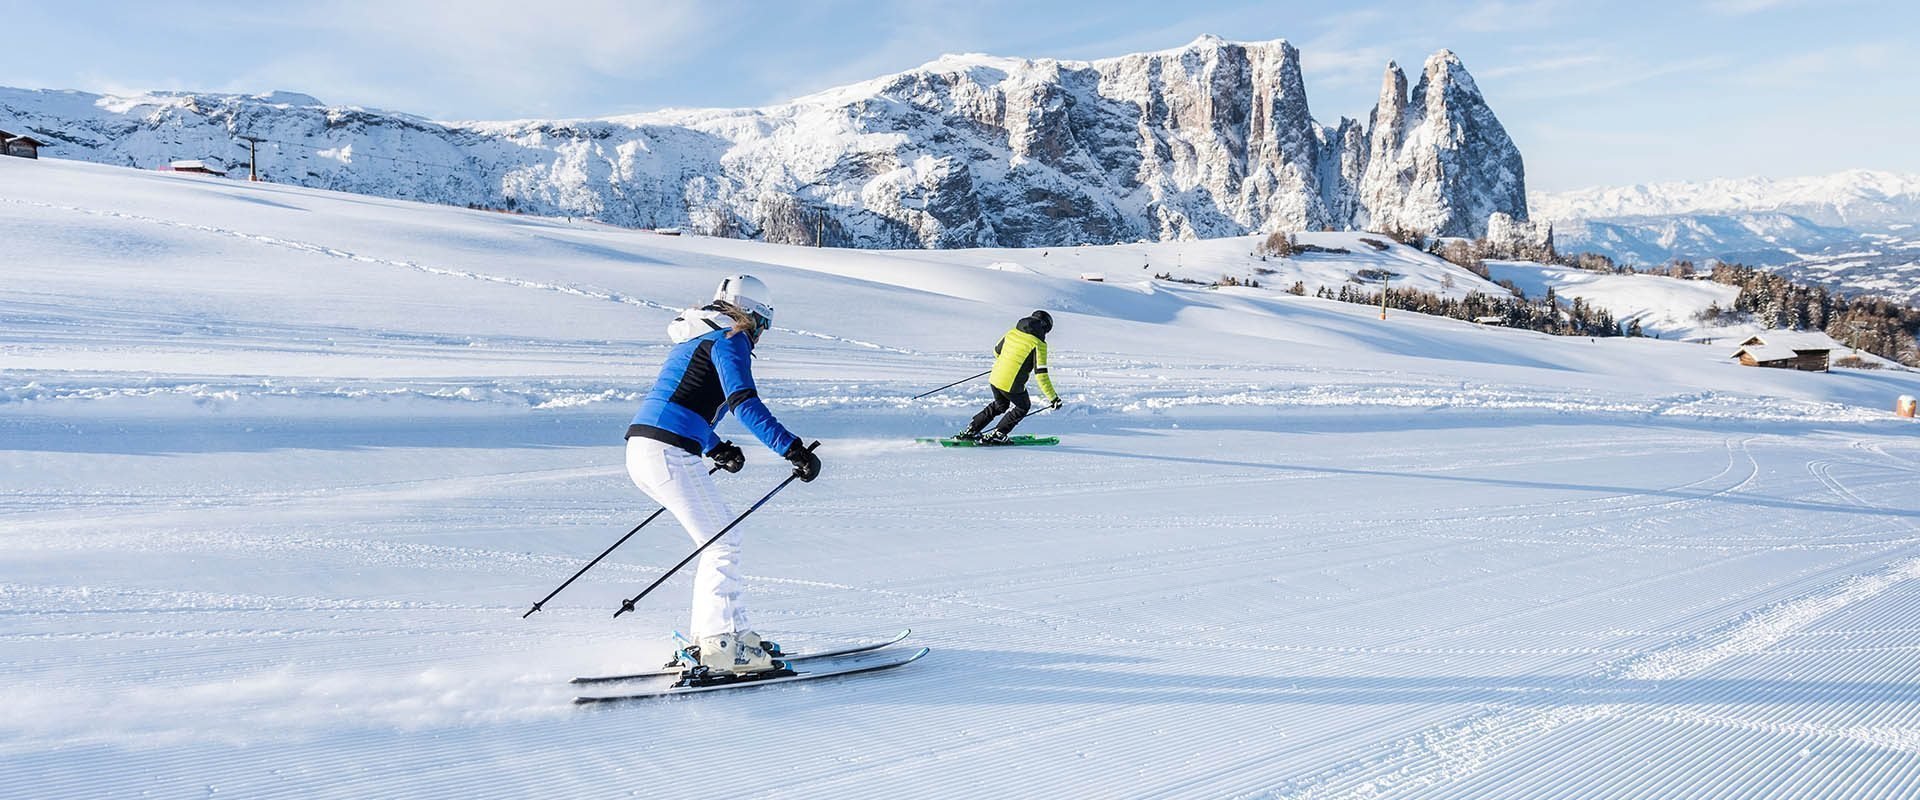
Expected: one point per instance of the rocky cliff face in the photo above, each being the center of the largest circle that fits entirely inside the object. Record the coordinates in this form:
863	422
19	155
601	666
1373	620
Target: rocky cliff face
1439	162
1212	139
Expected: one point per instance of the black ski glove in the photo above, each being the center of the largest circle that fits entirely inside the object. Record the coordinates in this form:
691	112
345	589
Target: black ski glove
727	456
1056	404
806	465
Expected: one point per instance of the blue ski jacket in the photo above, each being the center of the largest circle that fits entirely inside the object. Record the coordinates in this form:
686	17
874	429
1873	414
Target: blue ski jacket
704	378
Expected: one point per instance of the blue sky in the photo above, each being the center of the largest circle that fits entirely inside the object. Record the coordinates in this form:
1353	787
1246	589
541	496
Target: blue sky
1594	92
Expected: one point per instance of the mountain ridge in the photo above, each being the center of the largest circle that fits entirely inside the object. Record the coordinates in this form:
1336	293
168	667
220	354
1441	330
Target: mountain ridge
1849	198
1211	139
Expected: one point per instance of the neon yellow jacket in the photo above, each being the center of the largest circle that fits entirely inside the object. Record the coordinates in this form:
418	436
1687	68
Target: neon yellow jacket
1019	354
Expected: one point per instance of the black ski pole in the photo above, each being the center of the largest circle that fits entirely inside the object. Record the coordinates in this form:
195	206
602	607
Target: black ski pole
628	605
950	385
596	559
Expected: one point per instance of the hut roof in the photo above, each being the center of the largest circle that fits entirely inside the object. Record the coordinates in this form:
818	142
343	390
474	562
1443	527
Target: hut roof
1766	352
1791	340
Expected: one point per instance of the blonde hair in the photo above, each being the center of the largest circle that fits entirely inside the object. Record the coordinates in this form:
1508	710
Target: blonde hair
742	321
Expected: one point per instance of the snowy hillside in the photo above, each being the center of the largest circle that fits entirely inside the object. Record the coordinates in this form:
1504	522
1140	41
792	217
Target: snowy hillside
1665	307
284	467
1209	140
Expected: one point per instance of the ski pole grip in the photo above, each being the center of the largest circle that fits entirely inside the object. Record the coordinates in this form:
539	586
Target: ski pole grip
797	475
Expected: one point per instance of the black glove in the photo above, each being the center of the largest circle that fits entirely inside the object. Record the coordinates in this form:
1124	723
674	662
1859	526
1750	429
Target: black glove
1056	404
806	465
727	456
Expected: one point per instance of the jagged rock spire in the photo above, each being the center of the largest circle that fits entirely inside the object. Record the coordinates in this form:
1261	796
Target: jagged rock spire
1440	162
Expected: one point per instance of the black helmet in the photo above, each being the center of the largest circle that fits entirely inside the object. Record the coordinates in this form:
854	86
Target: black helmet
1043	319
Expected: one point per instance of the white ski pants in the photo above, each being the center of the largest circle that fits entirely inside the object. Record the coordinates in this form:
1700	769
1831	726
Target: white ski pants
678	480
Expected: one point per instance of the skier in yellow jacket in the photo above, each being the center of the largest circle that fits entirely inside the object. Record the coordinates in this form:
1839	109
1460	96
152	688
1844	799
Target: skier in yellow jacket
1020	353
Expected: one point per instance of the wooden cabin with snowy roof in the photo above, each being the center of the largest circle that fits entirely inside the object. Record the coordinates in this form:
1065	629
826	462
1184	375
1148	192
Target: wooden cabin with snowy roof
1807	352
20	146
195	166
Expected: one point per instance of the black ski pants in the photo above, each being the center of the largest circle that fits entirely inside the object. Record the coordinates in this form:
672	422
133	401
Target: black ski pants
1014	404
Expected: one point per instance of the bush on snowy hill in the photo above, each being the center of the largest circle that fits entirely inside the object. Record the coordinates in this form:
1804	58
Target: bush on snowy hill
1463	254
1278	244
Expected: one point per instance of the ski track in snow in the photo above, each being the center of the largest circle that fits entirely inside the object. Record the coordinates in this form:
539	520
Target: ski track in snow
1445	754
49	390
1438	757
1429	762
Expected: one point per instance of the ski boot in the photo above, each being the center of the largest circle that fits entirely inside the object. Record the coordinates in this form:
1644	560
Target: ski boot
688	656
728	657
753	639
996	437
967	436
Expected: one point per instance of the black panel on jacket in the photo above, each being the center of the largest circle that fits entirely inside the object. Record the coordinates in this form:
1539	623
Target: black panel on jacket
699	389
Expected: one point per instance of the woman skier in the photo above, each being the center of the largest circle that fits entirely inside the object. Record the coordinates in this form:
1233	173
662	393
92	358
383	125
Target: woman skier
1021	352
707	374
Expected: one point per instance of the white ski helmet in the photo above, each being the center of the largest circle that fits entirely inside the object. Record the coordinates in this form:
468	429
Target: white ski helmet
748	294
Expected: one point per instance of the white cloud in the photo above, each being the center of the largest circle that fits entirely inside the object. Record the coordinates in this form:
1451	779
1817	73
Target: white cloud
1818	67
1350	51
1544	65
1621	73
496	54
910	33
1740	7
1497	16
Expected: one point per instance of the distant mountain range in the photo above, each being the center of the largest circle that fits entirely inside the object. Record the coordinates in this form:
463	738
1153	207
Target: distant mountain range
1211	139
1856	231
1861	199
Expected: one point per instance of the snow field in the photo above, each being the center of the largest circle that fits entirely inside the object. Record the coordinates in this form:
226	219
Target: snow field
283	468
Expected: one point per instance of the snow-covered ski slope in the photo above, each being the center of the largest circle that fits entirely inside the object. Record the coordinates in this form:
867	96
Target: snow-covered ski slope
282	469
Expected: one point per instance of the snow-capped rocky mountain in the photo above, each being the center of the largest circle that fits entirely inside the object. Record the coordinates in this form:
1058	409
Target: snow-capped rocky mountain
1859	199
1758	221
1765	238
1855	232
1211	139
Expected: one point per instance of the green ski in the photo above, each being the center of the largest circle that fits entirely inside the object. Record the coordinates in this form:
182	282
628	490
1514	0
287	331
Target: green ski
1019	440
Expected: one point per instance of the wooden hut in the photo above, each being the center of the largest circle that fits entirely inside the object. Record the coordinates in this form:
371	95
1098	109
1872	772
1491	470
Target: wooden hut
1808	352
194	166
20	146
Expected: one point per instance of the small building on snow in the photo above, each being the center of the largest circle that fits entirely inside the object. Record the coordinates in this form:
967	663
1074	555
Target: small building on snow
20	146
1808	352
195	166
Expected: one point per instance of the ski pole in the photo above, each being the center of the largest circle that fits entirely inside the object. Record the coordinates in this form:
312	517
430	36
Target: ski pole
628	604
950	385
596	559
